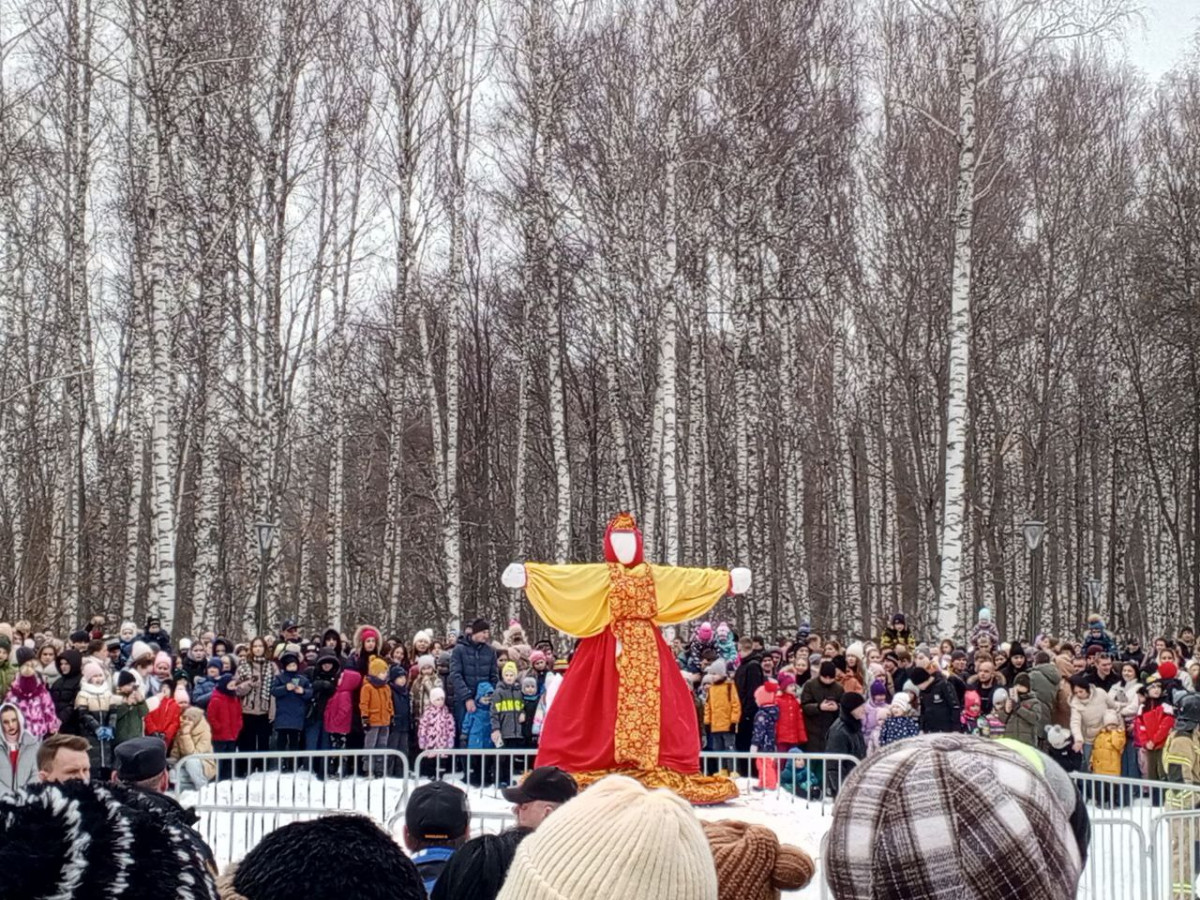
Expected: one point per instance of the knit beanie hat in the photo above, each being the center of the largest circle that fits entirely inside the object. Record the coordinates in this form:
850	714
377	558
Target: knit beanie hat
140	650
426	661
786	680
181	694
980	822
616	839
999	697
162	657
1023	681
125	677
366	864
528	682
851	700
814	660
705	631
723	630
878	688
423	635
509	666
901	704
717	668
828	669
752	864
538	656
1166	669
92	668
856	650
436	694
24	655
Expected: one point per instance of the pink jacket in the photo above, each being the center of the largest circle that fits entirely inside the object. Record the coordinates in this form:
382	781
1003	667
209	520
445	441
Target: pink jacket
339	711
30	696
436	729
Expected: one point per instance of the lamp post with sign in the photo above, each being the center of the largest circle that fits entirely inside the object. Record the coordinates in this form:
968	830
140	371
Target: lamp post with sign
1033	530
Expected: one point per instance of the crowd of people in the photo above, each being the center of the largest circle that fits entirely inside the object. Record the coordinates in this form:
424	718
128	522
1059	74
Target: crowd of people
75	709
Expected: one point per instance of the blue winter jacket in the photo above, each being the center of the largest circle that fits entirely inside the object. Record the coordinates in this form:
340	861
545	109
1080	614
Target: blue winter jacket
471	665
478	725
202	691
290	706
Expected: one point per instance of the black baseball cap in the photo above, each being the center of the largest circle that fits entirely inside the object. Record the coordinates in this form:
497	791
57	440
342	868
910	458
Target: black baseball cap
289	625
141	758
437	812
548	783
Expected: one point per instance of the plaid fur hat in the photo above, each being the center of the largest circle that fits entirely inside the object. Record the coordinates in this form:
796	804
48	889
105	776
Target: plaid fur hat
980	822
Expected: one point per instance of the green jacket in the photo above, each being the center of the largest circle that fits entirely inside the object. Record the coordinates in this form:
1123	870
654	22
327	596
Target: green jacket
8	674
1027	722
128	721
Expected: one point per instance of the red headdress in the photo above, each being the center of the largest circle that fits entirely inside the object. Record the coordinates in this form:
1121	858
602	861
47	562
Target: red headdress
622	521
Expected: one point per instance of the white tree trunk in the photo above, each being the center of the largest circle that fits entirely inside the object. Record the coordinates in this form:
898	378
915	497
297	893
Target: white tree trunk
950	614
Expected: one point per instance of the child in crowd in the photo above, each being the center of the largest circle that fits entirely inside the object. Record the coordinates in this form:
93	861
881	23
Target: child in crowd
508	719
1060	748
376	708
727	646
435	731
530	697
293	693
224	715
130	709
339	711
481	735
902	720
31	696
789	732
878	709
1106	757
423	685
991	724
160	673
972	710
722	709
94	705
1024	714
324	678
763	739
1151	728
398	739
204	685
193	740
163	719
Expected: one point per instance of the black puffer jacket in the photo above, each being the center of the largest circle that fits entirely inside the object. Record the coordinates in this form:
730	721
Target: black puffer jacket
471	664
64	691
940	712
845	737
323	683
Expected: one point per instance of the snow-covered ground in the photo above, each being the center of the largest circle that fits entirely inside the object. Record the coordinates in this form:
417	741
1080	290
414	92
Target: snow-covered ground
236	814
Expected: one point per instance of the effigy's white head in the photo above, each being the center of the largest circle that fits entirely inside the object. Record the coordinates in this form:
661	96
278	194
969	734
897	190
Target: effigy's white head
624	545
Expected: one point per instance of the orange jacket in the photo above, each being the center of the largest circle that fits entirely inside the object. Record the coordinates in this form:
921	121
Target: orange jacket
375	702
722	709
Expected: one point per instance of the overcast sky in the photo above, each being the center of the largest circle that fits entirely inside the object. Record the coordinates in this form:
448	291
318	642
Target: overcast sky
1170	29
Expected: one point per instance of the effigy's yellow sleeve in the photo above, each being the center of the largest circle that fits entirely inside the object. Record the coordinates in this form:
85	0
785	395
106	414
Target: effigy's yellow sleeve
684	594
573	599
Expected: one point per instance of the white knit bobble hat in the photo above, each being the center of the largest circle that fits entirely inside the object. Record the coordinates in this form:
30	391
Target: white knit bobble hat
615	840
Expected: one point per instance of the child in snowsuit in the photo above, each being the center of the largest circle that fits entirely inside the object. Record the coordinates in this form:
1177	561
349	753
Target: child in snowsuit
702	642
878	710
224	714
376	708
30	695
435	731
972	709
985	626
722	708
423	686
508	720
94	709
1024	714
991	725
480	735
293	693
204	685
789	732
1106	758
763	739
530	697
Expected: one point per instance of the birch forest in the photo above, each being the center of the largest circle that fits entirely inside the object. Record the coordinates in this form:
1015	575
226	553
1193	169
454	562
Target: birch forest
844	291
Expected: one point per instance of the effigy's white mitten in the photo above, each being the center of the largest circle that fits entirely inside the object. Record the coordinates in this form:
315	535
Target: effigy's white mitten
514	576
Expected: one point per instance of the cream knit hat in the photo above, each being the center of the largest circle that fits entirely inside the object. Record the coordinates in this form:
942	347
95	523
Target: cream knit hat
615	840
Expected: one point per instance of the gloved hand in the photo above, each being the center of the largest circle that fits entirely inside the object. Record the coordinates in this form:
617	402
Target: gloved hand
104	733
366	723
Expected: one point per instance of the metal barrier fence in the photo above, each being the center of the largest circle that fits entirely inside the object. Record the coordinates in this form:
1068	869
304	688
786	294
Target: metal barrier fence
1140	849
254	793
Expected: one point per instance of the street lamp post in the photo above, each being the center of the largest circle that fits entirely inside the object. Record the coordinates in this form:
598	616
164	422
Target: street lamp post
1094	586
1033	530
266	535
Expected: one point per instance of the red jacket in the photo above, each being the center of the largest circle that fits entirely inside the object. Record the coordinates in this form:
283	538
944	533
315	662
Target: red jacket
790	728
1155	725
164	720
224	716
